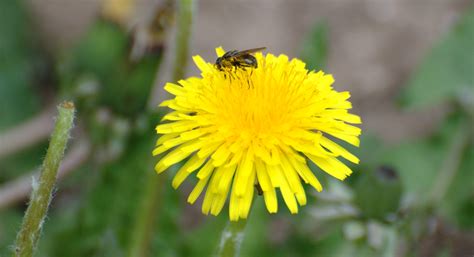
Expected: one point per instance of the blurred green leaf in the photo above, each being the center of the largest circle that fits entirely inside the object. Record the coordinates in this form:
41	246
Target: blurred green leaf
458	205
315	47
419	162
19	60
101	51
10	221
18	57
256	241
140	78
103	56
386	182
98	56
465	212
448	71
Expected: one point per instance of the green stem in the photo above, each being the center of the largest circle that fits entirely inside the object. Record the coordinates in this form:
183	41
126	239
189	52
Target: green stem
151	201
183	35
231	239
145	222
41	195
451	164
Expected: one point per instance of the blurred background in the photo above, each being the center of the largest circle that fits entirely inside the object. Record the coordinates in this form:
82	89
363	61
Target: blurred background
409	65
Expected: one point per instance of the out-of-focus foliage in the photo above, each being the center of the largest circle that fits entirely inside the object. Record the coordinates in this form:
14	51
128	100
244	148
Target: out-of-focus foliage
20	62
105	217
448	72
386	182
100	67
420	174
314	52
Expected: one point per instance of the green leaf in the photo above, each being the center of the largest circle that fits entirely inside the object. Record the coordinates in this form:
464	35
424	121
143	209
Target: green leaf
315	47
420	161
386	182
458	205
19	61
99	56
102	50
17	65
256	230
418	173
447	72
102	56
9	223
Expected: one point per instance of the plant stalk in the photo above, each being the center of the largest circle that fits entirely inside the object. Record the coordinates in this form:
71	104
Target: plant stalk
451	164
147	215
152	197
183	35
231	239
33	220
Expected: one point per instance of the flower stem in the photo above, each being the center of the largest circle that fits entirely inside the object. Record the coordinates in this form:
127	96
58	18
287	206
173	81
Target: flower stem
451	164
231	239
41	195
143	230
183	35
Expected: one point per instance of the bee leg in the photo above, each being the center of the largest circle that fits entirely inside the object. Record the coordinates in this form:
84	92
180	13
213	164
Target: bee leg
249	77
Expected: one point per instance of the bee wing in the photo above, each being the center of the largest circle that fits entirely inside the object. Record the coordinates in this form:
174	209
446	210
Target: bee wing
249	51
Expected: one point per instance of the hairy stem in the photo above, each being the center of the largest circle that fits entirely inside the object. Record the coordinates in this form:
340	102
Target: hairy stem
183	35
41	195
231	239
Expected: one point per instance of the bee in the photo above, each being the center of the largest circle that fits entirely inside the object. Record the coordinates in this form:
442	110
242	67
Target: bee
235	59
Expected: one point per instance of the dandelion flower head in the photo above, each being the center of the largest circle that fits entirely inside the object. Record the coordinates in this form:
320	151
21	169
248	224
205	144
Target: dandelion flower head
255	128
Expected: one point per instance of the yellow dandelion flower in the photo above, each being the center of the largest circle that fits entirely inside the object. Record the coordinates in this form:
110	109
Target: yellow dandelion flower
256	126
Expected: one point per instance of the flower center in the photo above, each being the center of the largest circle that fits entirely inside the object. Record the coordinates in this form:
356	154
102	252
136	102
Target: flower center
254	106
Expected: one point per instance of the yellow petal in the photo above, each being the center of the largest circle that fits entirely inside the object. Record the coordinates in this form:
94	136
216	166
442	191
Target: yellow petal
174	89
337	149
244	171
198	189
246	200
205	170
183	172
271	200
262	175
176	127
220	51
287	193
200	63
